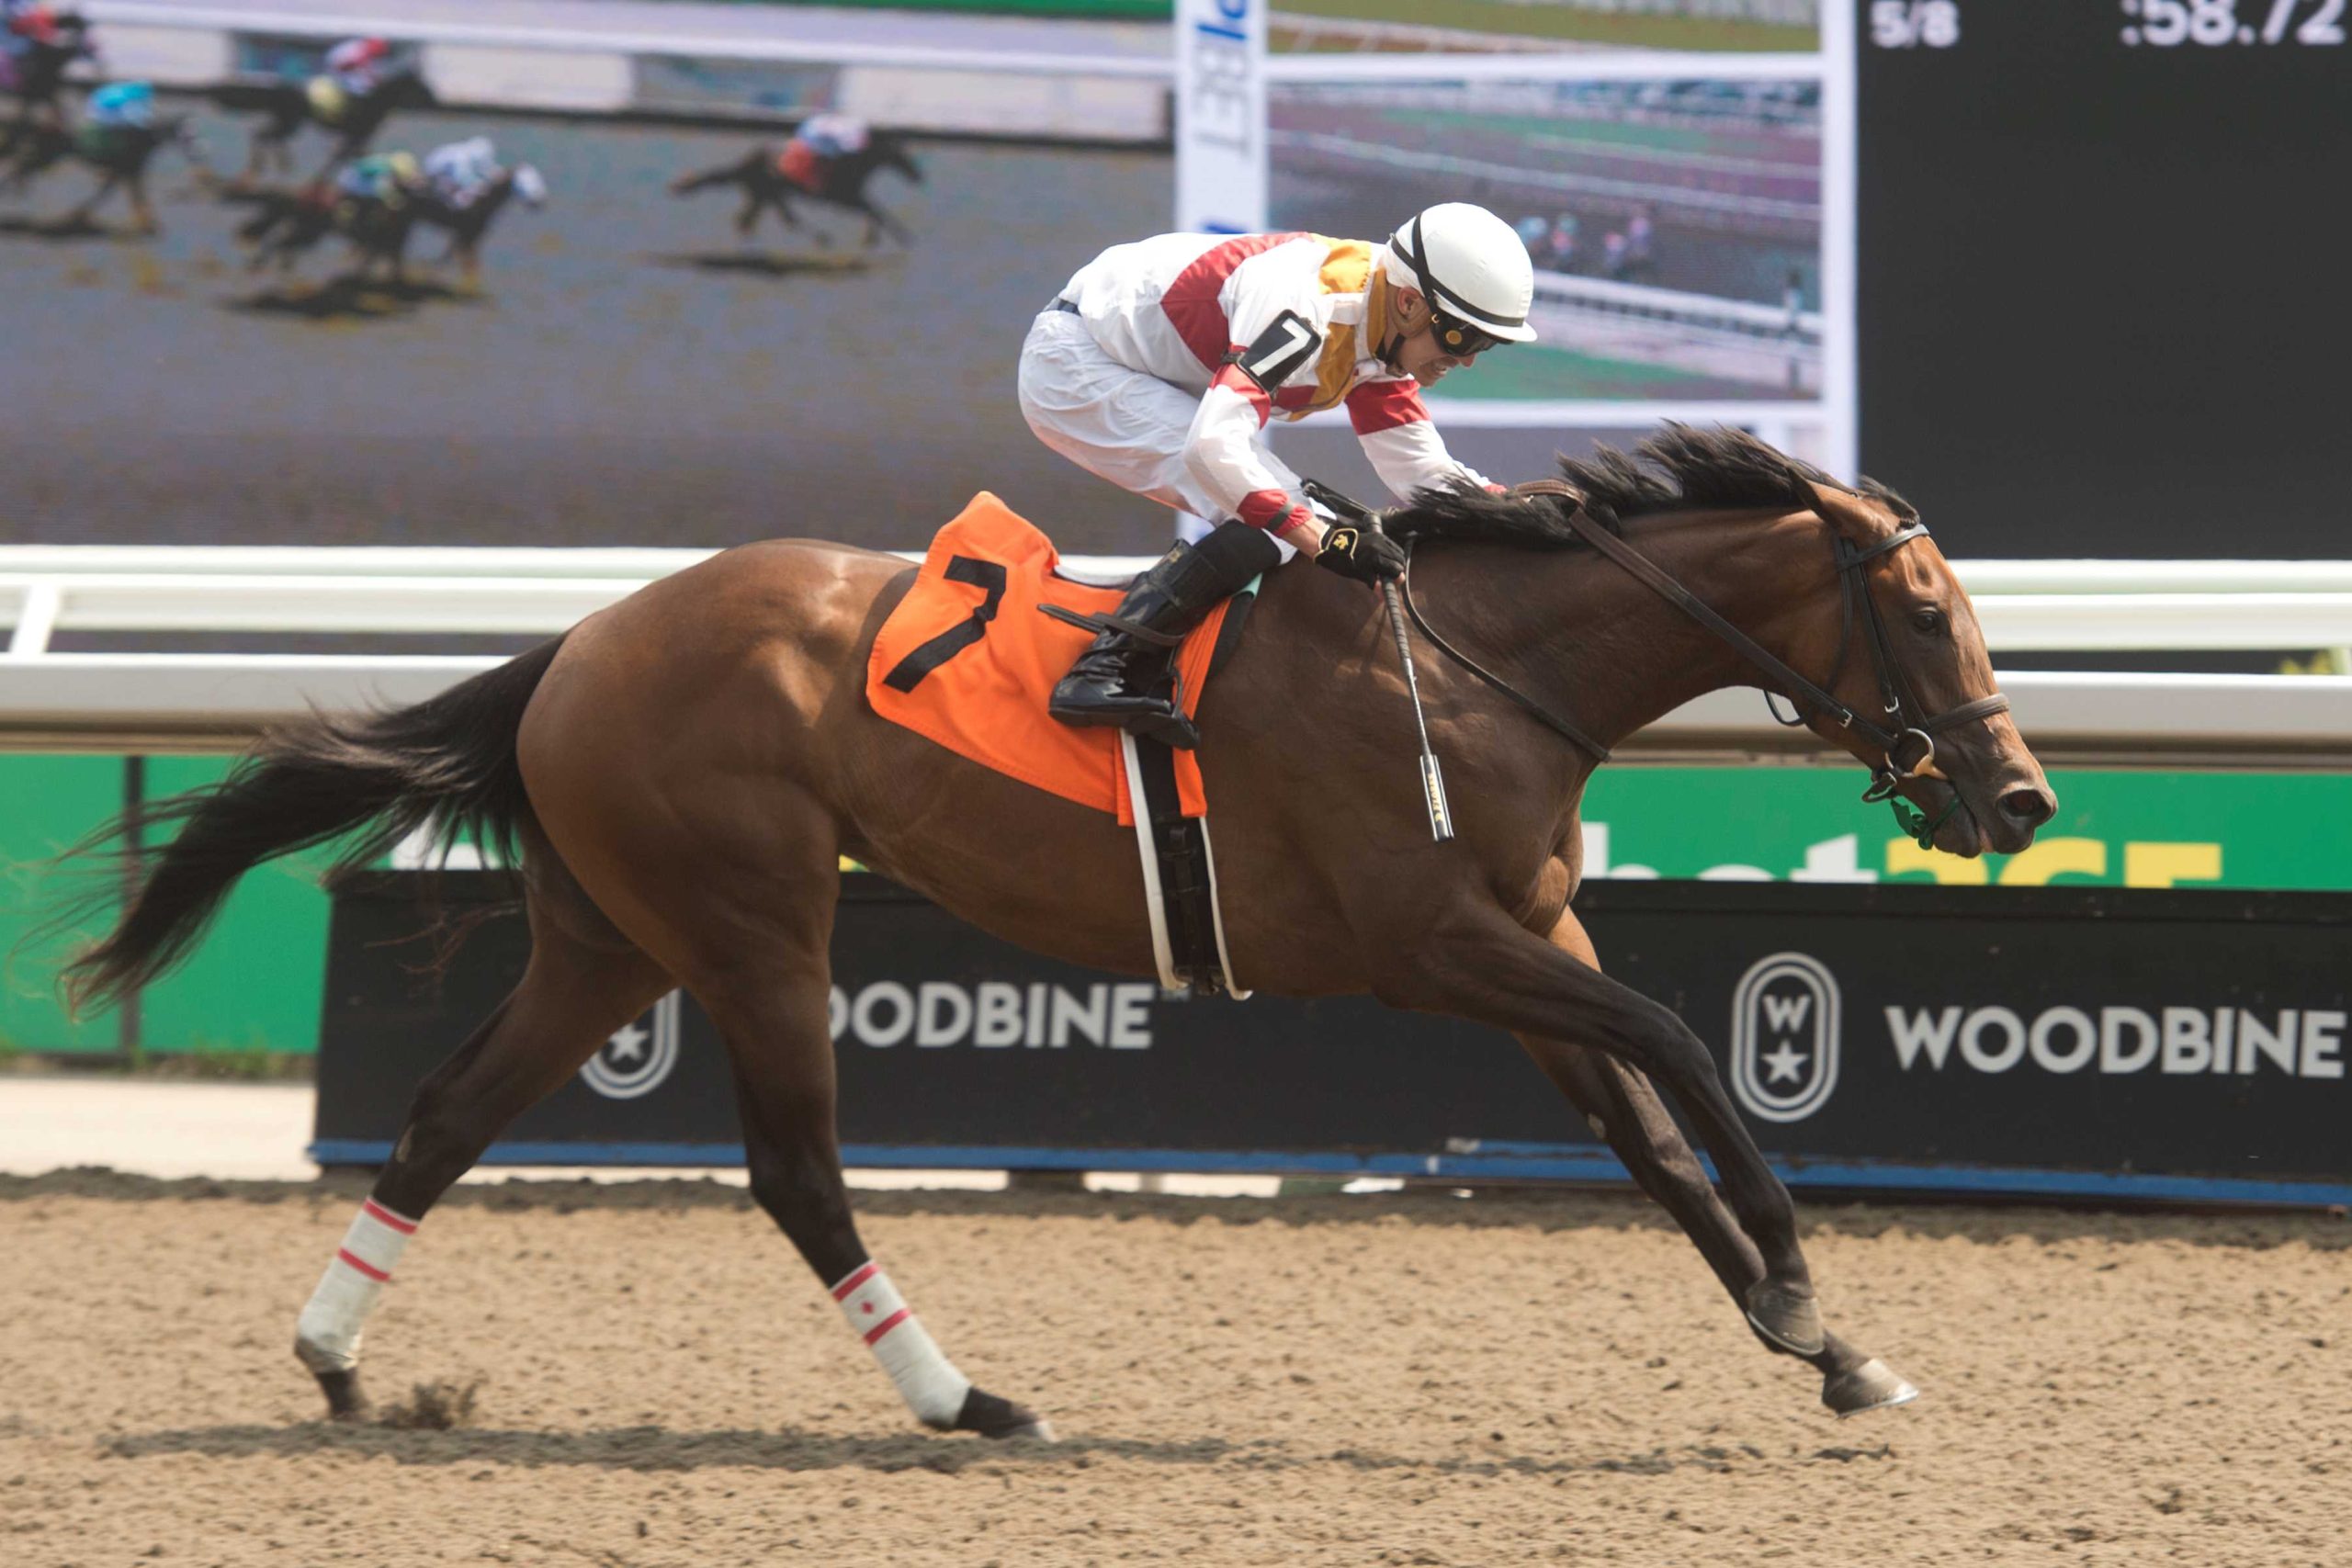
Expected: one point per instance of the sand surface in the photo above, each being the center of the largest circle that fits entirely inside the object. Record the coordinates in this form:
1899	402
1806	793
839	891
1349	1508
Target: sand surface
1349	1379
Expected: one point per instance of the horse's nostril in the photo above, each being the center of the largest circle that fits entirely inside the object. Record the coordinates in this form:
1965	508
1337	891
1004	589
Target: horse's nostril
2030	807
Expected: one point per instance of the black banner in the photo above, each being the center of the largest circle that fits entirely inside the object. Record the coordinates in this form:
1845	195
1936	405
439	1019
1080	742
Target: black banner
2049	1040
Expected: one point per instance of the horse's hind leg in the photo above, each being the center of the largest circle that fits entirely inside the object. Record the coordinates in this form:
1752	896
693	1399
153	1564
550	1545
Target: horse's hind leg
734	892
776	1031
579	988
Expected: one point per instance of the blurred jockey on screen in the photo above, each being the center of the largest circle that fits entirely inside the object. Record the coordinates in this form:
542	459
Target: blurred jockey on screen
1161	363
357	64
123	104
24	23
387	178
461	171
817	139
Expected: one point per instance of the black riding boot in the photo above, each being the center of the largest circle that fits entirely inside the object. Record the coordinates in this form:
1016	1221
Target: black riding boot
1121	678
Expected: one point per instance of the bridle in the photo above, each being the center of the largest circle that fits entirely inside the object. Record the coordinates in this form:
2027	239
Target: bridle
1903	727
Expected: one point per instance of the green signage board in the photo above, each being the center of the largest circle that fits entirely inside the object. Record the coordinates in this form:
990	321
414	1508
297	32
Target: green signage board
2116	827
255	982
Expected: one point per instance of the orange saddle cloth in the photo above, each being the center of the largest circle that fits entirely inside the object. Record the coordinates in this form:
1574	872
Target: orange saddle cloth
967	660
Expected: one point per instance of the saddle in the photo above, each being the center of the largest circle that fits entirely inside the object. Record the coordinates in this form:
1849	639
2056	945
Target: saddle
802	165
970	655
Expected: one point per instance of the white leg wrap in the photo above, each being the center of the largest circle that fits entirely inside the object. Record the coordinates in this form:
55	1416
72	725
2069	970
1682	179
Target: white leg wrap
927	1380
327	1338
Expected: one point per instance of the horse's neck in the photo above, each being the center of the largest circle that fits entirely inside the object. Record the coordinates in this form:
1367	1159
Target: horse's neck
1572	630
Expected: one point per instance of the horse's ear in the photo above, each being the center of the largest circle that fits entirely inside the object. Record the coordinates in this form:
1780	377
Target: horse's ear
1858	519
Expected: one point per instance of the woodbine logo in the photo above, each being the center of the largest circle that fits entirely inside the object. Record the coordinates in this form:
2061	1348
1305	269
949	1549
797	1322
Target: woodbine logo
638	1057
2303	1042
996	1014
1784	1037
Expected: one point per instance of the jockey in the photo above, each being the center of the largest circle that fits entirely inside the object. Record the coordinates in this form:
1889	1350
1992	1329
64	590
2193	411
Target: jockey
357	64
817	141
27	19
462	171
831	135
24	23
387	178
1161	362
125	104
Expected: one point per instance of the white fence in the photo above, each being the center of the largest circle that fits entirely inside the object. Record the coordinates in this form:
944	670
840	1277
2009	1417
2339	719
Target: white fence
53	699
959	73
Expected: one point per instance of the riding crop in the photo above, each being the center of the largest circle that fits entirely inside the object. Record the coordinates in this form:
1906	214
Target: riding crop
1433	776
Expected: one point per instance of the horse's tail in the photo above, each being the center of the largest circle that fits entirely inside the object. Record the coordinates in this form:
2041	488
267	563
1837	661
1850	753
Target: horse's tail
267	97
445	765
726	174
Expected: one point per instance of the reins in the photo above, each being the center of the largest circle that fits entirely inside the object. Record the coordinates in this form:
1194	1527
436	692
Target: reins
1916	731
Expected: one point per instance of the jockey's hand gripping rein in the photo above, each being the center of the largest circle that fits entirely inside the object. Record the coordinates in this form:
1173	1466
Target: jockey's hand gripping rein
1364	554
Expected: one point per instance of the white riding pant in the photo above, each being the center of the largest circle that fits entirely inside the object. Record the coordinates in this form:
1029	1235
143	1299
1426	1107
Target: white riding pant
1121	424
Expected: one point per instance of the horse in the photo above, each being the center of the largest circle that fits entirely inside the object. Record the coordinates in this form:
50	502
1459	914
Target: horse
36	78
466	225
286	107
680	775
119	154
840	180
290	223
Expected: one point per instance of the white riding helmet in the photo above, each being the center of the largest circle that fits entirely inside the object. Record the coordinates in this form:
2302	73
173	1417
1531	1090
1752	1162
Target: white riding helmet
1473	270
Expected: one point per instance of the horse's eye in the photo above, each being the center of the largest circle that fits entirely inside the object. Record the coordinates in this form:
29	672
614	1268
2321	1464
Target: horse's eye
1927	620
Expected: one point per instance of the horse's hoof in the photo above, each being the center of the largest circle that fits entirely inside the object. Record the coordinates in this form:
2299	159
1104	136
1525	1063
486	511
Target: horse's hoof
992	1417
1874	1385
1786	1319
346	1402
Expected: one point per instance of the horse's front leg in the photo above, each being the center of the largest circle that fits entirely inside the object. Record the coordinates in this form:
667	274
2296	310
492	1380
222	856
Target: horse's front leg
1624	1110
106	181
879	221
1479	965
141	213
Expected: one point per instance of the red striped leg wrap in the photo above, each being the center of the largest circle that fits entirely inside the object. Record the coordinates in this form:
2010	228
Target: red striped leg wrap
926	1379
327	1338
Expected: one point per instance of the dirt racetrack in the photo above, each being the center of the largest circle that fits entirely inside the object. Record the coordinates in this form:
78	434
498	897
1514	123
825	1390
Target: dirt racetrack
1402	1379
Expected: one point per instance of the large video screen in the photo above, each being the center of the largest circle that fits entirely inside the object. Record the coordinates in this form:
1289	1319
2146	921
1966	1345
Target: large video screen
629	368
2103	308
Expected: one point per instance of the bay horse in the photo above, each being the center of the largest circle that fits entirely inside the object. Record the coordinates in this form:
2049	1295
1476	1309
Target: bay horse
287	106
36	78
466	225
289	224
683	772
841	181
119	154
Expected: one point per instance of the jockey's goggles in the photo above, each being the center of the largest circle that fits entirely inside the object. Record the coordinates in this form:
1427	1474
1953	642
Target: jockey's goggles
1459	338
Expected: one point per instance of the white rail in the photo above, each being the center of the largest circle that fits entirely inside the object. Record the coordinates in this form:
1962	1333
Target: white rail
217	702
83	700
569	38
2024	605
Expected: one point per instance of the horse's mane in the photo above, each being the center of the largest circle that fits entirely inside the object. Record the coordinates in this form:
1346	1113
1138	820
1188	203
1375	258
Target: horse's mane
1680	469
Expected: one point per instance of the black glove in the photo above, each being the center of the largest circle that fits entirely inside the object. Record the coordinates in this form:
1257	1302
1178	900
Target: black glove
1360	553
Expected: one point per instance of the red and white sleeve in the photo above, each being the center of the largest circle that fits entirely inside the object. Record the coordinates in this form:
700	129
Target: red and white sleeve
1404	447
1221	453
